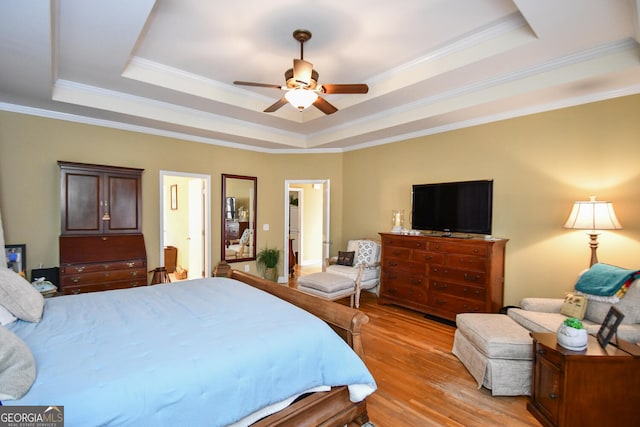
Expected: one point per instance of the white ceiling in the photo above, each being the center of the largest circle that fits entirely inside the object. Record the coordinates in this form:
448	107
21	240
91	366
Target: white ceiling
167	66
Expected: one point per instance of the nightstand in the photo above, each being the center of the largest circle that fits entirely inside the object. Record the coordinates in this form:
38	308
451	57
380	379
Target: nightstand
594	387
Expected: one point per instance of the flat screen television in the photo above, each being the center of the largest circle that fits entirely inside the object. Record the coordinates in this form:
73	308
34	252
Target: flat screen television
453	207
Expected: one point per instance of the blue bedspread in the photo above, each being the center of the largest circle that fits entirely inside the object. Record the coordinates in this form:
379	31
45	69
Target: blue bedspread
202	352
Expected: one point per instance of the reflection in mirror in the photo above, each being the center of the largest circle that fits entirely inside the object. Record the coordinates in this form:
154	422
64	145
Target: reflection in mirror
239	194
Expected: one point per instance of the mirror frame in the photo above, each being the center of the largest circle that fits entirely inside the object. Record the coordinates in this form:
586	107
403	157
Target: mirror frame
252	219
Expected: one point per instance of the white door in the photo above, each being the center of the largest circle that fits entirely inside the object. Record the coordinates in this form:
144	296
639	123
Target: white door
196	229
192	215
322	242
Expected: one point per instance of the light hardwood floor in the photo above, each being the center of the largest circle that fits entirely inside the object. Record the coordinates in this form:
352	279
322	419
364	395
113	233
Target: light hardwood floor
420	382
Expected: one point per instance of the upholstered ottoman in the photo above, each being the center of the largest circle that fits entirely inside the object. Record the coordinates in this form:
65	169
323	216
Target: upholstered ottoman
496	351
327	285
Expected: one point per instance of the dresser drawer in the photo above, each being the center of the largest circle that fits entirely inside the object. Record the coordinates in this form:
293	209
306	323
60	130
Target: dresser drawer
456	289
397	252
398	264
97	287
427	257
105	266
406	287
454	304
470	262
404	242
102	276
457	275
457	248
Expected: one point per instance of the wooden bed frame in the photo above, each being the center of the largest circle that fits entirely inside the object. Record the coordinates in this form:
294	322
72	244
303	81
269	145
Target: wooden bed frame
332	408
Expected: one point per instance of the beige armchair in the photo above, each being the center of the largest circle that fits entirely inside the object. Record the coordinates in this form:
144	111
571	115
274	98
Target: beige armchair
238	247
362	265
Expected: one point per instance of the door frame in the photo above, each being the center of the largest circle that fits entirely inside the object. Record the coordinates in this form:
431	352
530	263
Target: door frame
206	205
326	218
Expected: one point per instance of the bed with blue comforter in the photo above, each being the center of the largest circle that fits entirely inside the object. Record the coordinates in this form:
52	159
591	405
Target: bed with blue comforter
206	352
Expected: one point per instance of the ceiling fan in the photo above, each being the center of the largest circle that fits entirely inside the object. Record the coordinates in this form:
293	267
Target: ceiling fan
302	89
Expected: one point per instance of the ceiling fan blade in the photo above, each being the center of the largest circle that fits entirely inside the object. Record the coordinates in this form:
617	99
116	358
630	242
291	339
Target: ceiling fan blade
302	71
324	106
276	105
257	84
345	88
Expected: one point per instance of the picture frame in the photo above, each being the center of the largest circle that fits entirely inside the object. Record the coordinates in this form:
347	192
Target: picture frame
174	197
609	326
16	258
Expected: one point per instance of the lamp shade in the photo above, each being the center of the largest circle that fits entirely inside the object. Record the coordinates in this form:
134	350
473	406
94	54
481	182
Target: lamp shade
593	215
301	98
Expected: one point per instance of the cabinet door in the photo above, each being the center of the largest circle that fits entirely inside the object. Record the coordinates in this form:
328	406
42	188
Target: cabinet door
122	201
547	388
81	202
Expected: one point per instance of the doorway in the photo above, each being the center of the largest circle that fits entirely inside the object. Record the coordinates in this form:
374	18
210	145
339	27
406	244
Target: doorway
313	209
185	218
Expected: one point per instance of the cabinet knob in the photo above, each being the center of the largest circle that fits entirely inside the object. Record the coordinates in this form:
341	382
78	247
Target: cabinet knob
553	396
542	351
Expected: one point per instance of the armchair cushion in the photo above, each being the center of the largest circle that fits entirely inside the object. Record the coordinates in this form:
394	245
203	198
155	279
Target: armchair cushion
345	258
367	252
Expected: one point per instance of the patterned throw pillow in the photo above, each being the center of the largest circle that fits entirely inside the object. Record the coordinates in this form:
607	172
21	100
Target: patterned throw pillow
574	305
366	252
345	258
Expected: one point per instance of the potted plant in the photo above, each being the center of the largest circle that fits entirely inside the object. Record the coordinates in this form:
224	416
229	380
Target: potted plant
572	335
267	263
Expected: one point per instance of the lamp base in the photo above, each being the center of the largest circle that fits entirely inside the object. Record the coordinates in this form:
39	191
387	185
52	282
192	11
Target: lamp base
593	244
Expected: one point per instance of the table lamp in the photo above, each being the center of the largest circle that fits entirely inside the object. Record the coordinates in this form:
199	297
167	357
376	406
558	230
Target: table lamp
593	215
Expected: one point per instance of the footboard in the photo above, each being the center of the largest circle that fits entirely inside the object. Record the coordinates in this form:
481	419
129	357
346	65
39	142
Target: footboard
347	322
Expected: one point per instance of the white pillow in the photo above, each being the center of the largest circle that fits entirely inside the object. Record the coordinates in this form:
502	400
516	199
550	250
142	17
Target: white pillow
19	296
17	366
5	316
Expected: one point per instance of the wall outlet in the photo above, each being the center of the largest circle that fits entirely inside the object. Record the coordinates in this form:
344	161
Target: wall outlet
265	227
246	268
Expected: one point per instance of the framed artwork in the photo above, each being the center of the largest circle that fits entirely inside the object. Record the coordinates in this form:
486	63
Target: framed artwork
16	258
174	197
609	326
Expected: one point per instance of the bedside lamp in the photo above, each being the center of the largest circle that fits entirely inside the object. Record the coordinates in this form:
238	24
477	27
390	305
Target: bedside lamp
593	215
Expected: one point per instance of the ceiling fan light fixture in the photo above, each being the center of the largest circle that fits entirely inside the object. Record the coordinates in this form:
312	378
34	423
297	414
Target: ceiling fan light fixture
301	98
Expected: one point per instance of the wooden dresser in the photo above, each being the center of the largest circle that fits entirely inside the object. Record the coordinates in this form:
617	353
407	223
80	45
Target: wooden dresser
442	276
101	244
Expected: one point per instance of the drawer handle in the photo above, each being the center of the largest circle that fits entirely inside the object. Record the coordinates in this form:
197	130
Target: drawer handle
542	351
415	281
471	278
418	244
441	301
79	269
553	396
439	286
475	250
75	279
428	257
473	310
131	264
75	291
397	252
134	273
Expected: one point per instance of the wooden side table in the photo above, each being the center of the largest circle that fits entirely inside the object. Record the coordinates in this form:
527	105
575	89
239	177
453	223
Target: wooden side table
594	387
